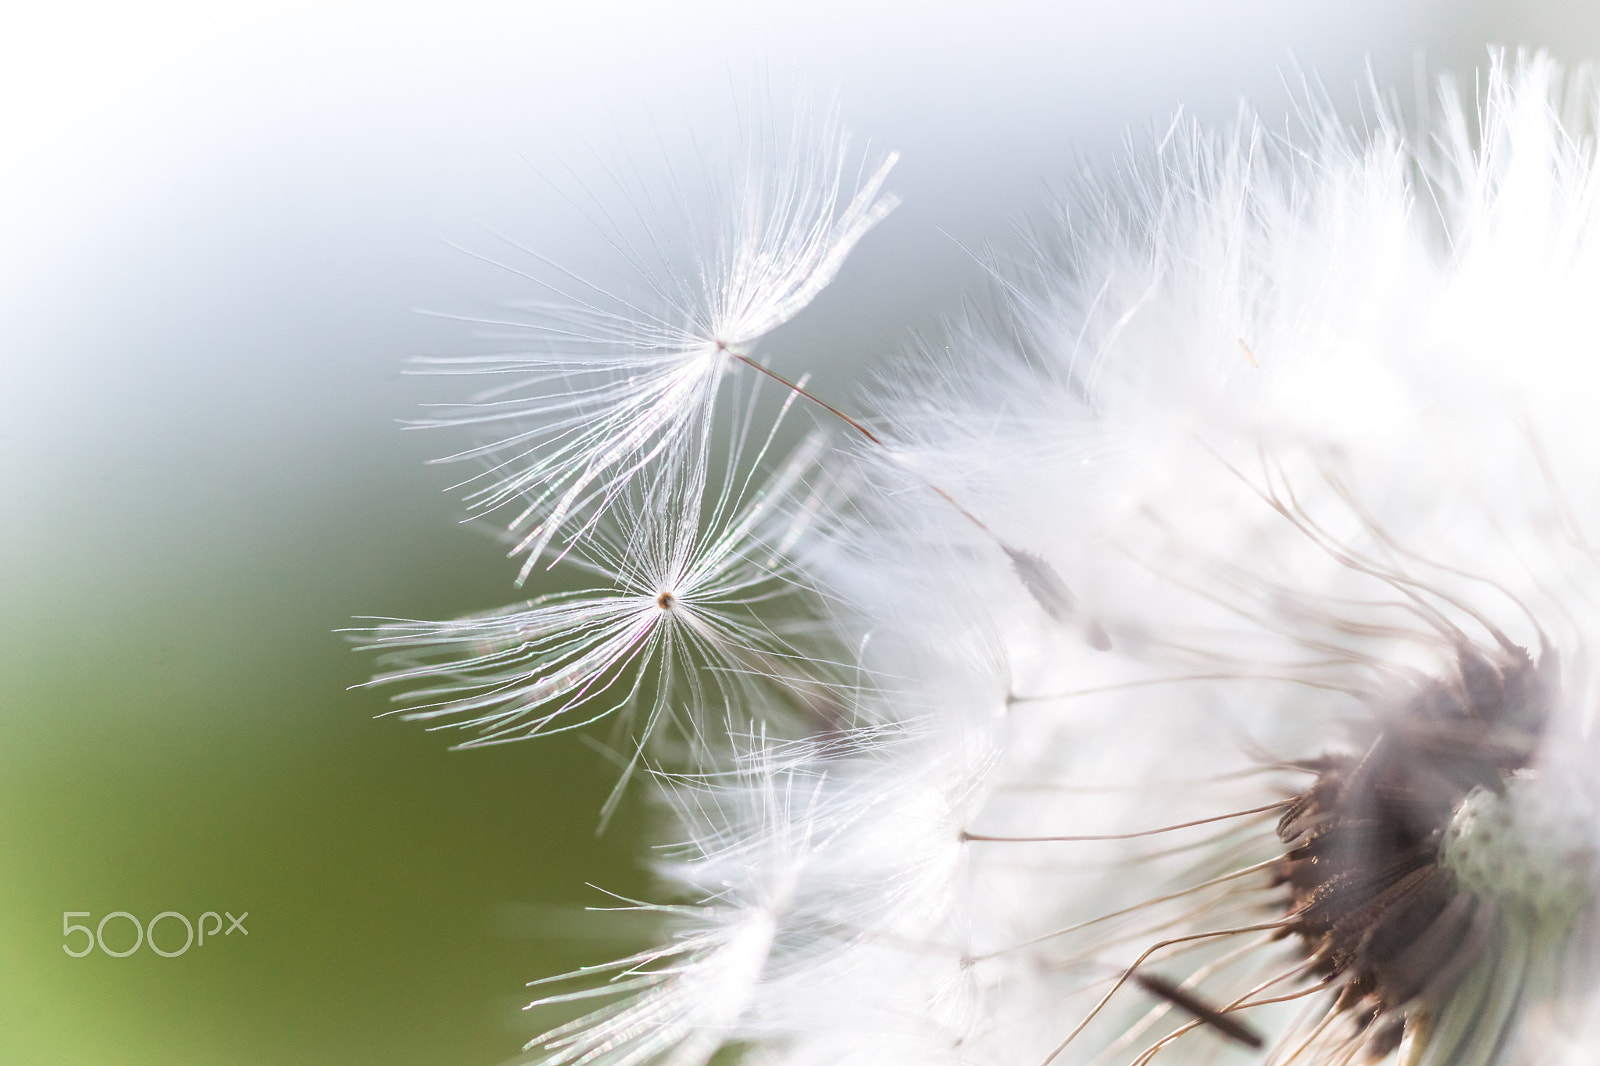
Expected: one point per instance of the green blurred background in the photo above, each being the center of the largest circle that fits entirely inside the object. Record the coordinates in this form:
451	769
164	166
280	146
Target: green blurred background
215	228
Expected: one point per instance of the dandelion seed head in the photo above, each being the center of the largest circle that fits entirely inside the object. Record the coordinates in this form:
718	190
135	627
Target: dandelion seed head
1216	616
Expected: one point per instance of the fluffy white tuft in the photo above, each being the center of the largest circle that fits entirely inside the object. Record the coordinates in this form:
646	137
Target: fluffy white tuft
1279	459
612	383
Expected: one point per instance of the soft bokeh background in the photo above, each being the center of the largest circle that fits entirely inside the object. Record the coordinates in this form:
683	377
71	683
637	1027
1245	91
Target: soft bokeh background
216	223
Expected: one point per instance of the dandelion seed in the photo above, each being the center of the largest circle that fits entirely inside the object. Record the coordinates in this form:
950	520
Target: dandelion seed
616	382
674	640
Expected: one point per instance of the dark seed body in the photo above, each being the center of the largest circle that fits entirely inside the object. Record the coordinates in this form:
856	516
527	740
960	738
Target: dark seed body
1179	997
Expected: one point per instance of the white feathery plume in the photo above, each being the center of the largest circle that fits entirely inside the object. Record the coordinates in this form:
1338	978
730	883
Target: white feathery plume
612	382
675	1004
788	866
678	636
1306	424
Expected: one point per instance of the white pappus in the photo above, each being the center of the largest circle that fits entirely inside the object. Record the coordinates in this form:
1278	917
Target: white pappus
1224	607
604	384
697	612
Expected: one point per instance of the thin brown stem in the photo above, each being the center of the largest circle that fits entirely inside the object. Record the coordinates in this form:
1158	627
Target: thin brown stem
800	391
1128	836
1065	930
1036	574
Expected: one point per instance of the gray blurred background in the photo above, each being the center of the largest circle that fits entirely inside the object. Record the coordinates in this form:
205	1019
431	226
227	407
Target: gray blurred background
216	228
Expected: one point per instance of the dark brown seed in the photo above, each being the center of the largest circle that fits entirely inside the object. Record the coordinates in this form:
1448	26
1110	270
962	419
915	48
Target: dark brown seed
1202	1011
